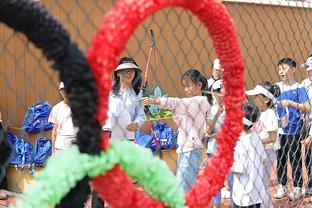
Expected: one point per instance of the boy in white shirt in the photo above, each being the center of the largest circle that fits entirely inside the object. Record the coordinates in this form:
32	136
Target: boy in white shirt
216	72
248	166
64	132
307	83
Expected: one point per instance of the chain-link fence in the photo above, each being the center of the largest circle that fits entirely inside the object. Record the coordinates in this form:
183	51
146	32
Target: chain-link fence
269	30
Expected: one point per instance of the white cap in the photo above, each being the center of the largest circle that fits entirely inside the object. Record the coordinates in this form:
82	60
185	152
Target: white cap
260	90
216	65
308	64
217	84
127	66
61	86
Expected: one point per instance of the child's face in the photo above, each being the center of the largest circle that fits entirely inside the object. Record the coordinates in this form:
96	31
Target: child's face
286	72
216	73
190	88
260	101
63	94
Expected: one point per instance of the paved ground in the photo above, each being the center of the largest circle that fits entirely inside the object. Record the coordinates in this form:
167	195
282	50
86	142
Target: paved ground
284	203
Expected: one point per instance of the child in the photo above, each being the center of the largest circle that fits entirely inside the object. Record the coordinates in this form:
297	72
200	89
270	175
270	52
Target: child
191	115
294	98
64	132
217	117
263	96
216	72
249	156
126	112
307	83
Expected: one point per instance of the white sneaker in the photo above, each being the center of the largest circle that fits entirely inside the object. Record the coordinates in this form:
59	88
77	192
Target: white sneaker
296	194
281	192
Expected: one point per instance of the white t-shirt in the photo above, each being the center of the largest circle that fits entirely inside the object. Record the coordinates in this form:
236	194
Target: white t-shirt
210	81
307	83
249	158
267	122
66	132
212	143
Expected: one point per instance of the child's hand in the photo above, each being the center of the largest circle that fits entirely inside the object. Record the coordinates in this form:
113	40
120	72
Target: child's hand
307	142
150	101
133	127
275	101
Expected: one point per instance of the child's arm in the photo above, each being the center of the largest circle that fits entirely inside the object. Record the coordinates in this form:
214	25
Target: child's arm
170	103
271	126
303	101
212	124
184	106
53	119
271	138
55	126
303	107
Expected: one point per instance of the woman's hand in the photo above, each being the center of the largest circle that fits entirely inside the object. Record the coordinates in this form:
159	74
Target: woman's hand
133	127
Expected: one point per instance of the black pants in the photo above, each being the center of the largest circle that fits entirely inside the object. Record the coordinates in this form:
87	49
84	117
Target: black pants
96	202
251	206
290	144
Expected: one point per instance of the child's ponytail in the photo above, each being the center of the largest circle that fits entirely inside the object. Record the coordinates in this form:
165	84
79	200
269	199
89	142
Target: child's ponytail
252	113
273	89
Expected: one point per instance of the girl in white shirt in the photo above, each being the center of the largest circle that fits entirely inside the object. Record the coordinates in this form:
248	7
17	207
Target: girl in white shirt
248	166
190	114
266	127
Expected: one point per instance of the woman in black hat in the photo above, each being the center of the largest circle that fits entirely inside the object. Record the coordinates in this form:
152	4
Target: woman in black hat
126	112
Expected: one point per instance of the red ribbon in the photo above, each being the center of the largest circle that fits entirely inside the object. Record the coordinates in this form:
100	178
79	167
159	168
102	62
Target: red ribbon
107	46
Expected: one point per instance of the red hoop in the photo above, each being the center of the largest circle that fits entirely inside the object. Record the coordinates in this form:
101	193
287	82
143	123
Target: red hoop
103	56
